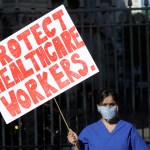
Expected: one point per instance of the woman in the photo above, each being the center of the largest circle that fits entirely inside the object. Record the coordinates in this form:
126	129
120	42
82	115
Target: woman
108	133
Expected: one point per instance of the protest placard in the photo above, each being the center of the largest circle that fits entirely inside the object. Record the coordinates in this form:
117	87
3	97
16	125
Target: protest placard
41	61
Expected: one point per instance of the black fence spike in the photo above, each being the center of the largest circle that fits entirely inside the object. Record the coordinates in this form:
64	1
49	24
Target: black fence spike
129	2
66	3
1	5
97	3
49	4
146	3
113	3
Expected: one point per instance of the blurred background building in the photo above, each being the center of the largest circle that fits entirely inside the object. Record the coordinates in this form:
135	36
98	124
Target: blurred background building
117	35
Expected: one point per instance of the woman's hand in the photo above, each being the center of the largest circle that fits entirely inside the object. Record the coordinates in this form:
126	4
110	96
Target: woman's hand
72	137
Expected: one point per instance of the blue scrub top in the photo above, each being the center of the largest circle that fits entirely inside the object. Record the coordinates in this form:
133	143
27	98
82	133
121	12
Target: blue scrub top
124	137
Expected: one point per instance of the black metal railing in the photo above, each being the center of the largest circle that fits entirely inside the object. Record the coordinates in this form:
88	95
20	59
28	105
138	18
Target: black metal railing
117	35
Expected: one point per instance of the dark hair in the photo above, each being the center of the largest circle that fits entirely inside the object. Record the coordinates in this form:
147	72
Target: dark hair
105	93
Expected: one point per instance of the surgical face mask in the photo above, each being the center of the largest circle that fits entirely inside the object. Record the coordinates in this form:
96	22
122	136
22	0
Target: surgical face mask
108	112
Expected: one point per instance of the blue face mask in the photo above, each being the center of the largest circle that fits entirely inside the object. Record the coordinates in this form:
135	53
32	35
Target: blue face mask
108	112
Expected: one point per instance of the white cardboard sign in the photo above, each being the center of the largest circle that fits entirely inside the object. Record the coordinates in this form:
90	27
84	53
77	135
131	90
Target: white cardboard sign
41	61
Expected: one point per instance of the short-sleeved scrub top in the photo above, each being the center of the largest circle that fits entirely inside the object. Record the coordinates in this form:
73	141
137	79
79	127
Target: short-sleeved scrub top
124	137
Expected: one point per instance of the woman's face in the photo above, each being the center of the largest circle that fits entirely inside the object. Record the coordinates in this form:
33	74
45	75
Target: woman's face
108	101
